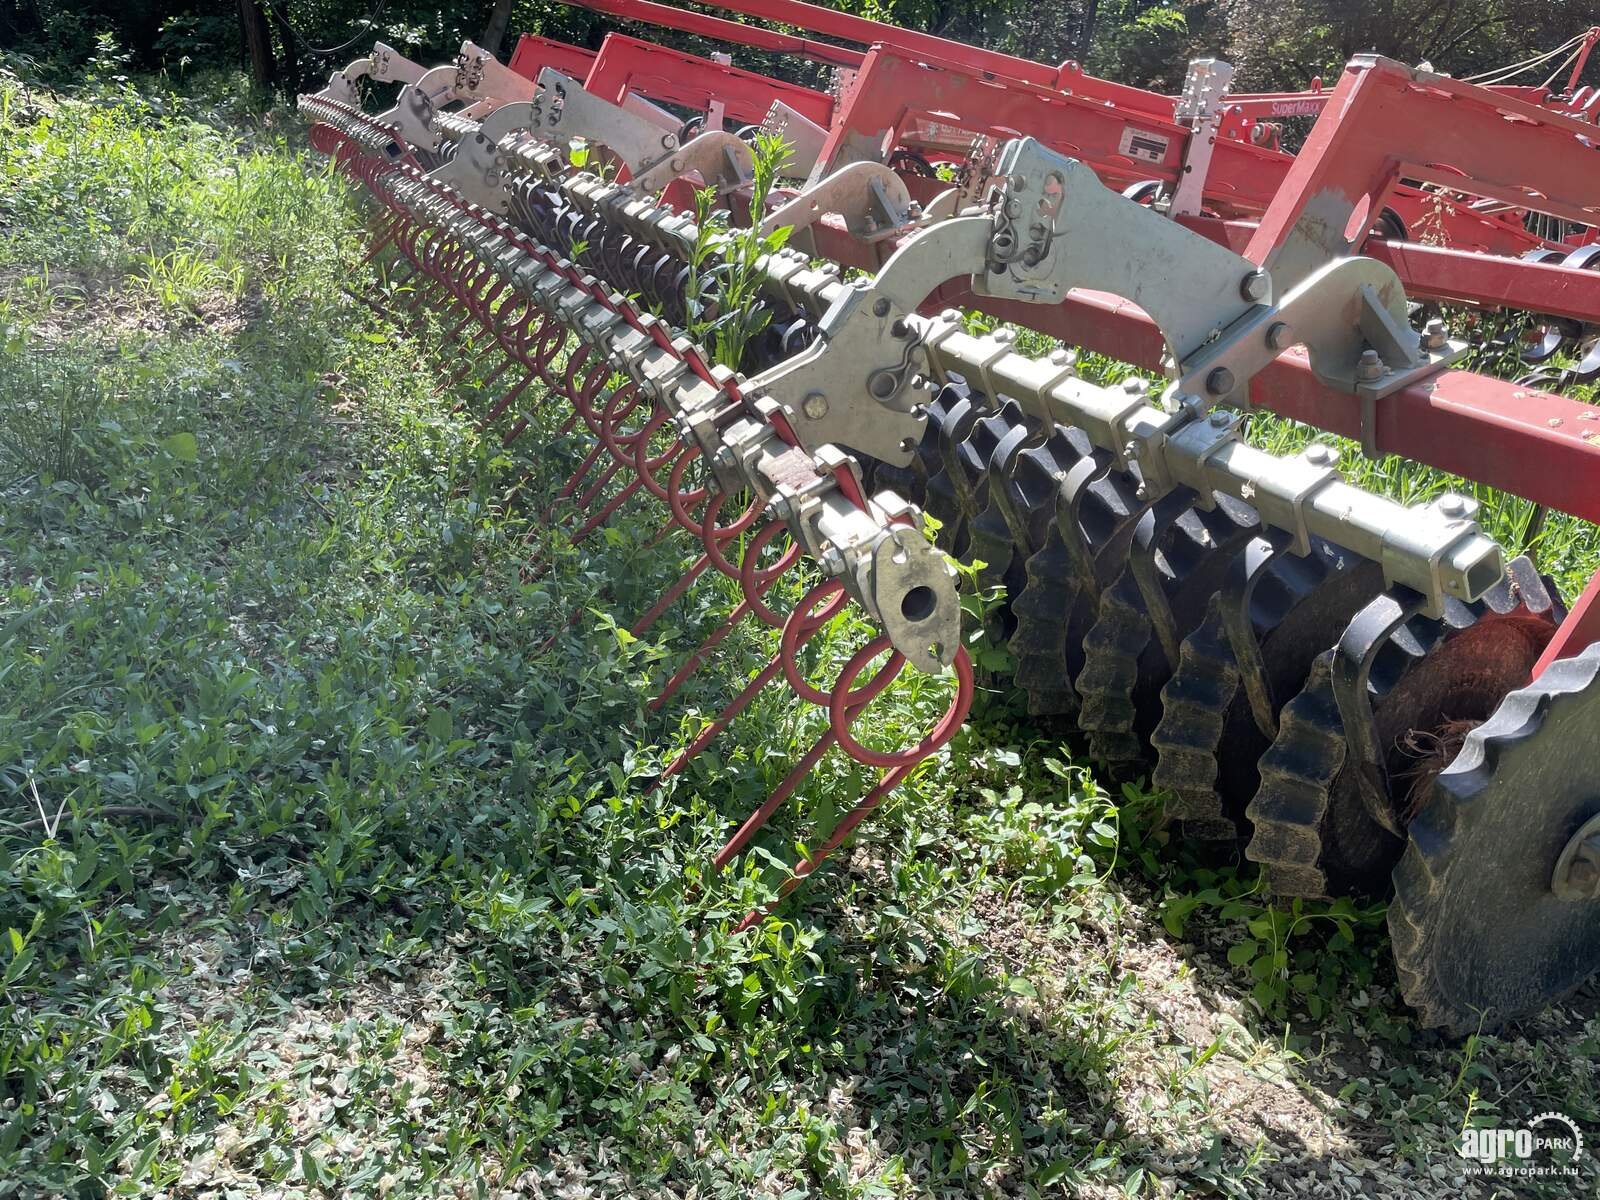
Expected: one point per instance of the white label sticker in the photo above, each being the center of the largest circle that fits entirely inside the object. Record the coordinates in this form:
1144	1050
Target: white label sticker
1138	143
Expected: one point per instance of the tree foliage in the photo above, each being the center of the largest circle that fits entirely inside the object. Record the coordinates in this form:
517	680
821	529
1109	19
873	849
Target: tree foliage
1273	43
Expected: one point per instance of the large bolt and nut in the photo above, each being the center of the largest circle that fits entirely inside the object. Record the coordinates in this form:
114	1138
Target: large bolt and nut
1278	335
832	562
1319	455
1220	382
1434	335
1370	367
1254	286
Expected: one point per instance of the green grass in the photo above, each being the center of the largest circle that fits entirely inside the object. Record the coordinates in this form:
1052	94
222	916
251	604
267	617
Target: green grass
324	871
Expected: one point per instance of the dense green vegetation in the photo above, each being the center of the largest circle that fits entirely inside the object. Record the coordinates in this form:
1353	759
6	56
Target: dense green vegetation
1274	43
328	858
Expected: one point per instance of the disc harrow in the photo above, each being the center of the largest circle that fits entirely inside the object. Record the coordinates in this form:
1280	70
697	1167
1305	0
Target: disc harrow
1307	669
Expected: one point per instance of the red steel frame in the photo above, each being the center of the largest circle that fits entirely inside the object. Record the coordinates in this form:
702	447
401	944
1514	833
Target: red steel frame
1385	122
534	53
628	65
895	92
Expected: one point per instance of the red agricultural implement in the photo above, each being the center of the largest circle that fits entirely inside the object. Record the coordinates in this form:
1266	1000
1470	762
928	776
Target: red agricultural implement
1442	209
1369	697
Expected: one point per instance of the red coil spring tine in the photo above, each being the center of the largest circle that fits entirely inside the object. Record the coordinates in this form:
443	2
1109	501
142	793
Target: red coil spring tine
583	396
844	829
789	648
552	340
503	403
842	712
509	325
670	596
754	823
755	584
840	716
593	491
754	588
647	468
575	480
381	239
807	623
704	527
756	580
493	376
623	402
603	514
524	335
677	499
712	535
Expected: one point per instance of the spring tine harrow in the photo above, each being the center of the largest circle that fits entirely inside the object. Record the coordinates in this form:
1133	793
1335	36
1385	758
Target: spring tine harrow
1328	679
474	260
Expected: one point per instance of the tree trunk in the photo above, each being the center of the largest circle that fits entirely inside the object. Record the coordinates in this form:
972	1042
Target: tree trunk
494	33
290	74
257	43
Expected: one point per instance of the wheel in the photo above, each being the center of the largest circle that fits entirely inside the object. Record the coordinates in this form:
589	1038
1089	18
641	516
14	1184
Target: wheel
1497	900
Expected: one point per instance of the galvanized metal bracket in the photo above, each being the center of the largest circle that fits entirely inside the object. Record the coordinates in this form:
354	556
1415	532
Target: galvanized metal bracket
720	159
479	172
871	198
564	109
804	137
1351	318
414	109
1205	92
483	83
1057	227
390	66
654	156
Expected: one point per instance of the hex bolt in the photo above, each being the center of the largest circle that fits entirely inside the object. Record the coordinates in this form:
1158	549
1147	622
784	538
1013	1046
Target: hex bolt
815	406
1220	419
1433	334
1062	357
1319	455
1131	451
950	315
881	309
1135	386
723	457
779	507
1278	335
1452	505
1253	287
1370	367
832	562
1220	382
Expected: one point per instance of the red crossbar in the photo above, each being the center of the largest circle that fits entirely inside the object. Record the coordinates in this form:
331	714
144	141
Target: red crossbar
733	32
534	53
832	23
626	64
